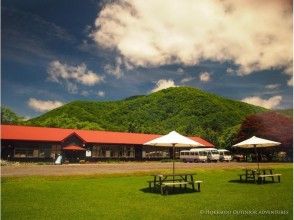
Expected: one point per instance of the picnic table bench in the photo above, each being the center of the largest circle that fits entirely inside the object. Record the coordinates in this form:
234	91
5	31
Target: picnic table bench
259	175
163	182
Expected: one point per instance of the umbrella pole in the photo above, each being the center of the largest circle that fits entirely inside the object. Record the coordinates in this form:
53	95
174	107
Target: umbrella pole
173	162
256	157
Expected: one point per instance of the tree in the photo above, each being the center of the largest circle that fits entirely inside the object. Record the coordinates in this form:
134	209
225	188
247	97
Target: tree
10	117
269	125
189	129
132	127
228	137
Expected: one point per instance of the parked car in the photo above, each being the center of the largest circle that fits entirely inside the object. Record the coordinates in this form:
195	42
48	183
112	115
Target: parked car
193	155
224	155
212	154
238	157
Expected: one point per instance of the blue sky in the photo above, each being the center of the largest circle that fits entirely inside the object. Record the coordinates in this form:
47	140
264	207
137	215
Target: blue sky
54	52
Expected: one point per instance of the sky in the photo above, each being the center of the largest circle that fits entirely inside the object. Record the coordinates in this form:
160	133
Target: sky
55	52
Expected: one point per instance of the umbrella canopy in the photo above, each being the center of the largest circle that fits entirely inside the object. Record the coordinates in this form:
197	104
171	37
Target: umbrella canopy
256	142
173	139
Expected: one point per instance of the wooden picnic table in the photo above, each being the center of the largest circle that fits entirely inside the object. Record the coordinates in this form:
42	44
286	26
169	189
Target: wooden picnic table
162	181
259	175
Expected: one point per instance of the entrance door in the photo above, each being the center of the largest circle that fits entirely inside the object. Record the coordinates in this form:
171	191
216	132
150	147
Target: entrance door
74	156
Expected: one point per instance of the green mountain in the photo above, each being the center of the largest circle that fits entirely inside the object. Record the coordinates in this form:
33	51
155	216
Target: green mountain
188	110
10	117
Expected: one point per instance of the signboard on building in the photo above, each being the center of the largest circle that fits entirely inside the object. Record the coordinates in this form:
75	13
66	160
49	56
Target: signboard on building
88	153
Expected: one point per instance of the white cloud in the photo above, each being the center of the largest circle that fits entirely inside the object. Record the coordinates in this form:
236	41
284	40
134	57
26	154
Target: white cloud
101	93
290	81
71	87
272	86
230	71
116	69
43	105
187	79
59	72
266	103
163	84
254	35
205	77
289	72
180	71
85	93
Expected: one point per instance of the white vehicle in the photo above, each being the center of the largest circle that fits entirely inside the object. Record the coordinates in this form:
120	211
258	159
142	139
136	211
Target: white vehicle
224	155
212	154
193	155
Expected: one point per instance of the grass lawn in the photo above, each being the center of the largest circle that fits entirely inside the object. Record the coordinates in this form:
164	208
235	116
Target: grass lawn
127	197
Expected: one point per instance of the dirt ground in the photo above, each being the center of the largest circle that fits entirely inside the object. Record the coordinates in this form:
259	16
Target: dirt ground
117	168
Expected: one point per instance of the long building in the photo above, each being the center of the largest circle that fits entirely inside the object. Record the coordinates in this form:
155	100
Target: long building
26	143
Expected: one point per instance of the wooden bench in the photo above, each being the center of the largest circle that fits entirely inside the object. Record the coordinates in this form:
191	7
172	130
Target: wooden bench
241	175
150	182
164	185
157	183
152	185
250	177
198	185
261	177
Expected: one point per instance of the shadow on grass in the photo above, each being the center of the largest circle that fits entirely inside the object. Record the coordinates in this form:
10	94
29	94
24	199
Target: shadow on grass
251	182
171	191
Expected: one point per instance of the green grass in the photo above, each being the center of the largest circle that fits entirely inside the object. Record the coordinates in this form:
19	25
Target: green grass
127	197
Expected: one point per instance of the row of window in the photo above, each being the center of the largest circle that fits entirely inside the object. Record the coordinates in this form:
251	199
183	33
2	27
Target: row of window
155	154
96	152
37	152
113	152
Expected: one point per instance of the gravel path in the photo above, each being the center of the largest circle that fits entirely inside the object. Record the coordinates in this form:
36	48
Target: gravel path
111	168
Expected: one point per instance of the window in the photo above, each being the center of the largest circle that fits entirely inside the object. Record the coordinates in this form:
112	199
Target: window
115	153
99	151
214	152
107	153
94	151
152	152
25	152
55	149
35	152
131	152
203	153
45	152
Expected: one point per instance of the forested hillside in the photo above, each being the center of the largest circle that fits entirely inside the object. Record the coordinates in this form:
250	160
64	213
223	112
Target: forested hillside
188	110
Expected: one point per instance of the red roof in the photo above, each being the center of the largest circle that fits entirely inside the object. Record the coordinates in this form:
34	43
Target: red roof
202	141
73	147
28	133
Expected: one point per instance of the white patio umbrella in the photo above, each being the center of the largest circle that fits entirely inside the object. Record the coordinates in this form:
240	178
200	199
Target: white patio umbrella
256	142
173	139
